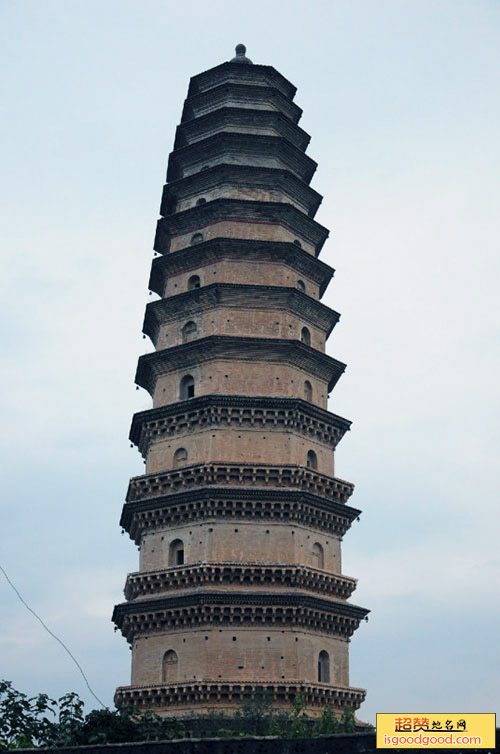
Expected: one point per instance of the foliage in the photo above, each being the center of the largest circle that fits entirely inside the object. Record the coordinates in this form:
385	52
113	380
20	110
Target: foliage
38	720
43	722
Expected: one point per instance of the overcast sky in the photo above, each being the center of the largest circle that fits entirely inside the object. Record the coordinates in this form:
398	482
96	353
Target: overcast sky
401	100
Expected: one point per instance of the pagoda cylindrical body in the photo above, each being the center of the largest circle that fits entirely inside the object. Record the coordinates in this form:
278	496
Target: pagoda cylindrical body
239	516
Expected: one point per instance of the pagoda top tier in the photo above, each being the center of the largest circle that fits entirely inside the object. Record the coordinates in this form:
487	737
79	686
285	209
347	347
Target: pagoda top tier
240	69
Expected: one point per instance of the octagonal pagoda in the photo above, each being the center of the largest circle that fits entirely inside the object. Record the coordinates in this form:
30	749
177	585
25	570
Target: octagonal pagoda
239	516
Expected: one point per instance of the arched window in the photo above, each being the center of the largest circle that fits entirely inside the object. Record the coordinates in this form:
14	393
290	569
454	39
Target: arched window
201	201
196	238
305	336
318	555
169	667
193	282
187	387
301	286
297	243
308	391
180	457
323	667
188	331
176	553
312	460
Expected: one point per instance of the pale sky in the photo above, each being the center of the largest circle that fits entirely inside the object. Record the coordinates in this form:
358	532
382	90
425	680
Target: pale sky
401	100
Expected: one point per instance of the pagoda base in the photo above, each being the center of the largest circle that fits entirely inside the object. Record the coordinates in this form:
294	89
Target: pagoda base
203	696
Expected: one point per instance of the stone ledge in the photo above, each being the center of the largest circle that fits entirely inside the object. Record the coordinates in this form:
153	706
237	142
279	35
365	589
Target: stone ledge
237	609
193	130
244	504
238	411
226	72
218	96
233	474
241	144
239	349
250	211
235	692
218	249
247	176
194	575
238	296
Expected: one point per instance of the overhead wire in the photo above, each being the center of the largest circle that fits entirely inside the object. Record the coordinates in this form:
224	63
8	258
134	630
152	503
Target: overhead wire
63	645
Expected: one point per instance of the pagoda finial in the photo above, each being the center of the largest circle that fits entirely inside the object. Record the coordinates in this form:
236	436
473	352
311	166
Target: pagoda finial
241	57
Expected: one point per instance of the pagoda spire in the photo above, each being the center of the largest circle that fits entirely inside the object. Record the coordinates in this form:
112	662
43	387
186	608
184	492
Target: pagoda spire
241	57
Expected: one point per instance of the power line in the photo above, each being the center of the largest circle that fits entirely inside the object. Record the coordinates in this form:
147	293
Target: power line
63	645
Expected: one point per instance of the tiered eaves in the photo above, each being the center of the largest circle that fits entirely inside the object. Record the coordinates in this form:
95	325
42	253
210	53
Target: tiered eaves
239	517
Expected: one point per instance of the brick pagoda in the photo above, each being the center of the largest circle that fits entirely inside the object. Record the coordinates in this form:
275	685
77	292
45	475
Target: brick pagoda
239	517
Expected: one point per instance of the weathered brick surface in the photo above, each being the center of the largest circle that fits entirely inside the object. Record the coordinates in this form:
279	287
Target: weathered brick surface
246	322
219	542
238	192
240	229
241	378
245	446
247	273
238	655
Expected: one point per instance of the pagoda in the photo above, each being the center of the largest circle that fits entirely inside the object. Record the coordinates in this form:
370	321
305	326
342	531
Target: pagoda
239	516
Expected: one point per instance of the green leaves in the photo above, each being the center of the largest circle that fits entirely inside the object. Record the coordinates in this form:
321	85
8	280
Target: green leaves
24	721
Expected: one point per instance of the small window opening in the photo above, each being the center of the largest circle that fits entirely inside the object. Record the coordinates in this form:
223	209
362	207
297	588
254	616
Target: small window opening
301	286
187	387
308	391
169	666
305	336
318	555
188	331
176	553
324	667
193	282
312	460
196	238
180	457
